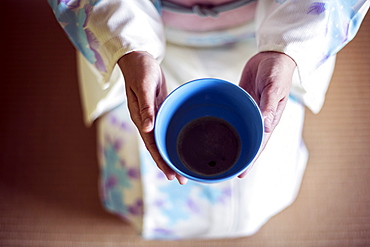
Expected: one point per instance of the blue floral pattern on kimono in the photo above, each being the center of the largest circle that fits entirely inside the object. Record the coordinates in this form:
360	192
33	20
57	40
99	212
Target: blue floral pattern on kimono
344	22
169	204
74	18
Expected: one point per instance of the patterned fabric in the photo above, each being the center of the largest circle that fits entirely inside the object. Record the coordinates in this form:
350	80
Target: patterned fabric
74	18
233	208
120	175
341	21
102	32
133	188
311	32
131	185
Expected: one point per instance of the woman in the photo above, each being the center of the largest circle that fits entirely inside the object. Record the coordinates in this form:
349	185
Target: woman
132	53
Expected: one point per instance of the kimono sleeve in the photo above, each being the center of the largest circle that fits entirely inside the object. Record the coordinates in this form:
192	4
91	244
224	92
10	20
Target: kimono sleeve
311	32
105	30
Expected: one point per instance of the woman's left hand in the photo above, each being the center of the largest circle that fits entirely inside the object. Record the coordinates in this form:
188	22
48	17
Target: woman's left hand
267	77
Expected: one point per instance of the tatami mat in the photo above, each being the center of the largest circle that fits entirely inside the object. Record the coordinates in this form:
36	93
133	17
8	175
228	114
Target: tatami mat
48	170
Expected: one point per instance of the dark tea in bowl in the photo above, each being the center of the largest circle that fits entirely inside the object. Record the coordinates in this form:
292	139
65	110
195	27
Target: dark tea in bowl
208	146
209	130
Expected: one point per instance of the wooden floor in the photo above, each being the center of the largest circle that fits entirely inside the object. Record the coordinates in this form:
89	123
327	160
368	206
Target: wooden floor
48	170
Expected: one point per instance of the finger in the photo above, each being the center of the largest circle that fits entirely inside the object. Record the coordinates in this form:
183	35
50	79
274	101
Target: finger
247	82
279	111
133	105
243	174
147	111
148	138
147	104
162	93
182	180
153	150
269	101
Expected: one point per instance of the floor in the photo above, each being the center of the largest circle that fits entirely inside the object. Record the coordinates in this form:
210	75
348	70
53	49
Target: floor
48	169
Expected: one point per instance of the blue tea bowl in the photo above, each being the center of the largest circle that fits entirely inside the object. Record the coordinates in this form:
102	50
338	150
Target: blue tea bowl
189	130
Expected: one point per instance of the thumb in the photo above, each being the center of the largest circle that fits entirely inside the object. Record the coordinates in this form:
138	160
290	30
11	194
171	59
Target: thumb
268	104
147	110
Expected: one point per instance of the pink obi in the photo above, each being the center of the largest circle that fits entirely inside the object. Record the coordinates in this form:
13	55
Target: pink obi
192	22
195	30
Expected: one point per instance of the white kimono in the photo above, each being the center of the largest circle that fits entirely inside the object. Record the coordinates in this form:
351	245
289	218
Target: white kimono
311	32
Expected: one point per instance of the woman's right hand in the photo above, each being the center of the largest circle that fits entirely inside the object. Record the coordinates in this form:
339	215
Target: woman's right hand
146	89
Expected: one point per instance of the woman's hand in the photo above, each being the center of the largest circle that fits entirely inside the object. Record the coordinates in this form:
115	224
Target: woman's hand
146	90
267	77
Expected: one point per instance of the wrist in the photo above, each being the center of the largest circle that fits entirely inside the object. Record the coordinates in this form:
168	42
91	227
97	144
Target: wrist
136	62
285	58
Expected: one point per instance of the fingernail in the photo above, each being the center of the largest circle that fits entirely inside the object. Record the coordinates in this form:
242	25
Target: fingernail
147	124
182	180
266	123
